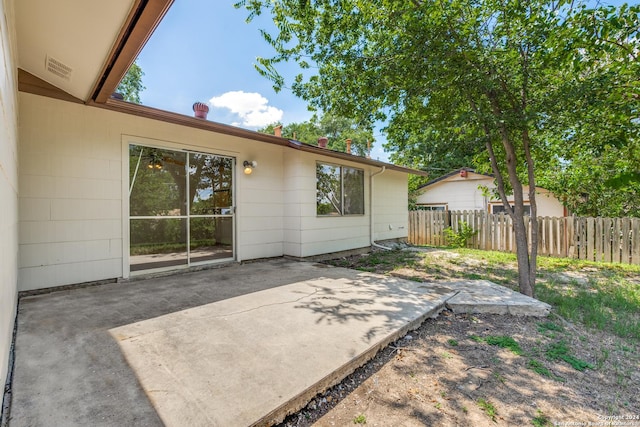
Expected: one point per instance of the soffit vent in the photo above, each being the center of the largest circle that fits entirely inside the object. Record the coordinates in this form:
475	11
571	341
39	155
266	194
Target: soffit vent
58	68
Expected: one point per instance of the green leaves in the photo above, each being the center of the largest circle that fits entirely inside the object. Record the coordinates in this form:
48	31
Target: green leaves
336	128
131	84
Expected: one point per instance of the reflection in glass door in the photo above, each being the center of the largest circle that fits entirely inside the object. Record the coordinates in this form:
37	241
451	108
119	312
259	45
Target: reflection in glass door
180	208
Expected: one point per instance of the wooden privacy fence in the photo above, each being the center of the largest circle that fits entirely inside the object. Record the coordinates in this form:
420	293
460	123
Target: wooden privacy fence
594	239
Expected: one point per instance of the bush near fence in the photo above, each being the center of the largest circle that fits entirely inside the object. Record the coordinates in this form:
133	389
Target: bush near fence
594	239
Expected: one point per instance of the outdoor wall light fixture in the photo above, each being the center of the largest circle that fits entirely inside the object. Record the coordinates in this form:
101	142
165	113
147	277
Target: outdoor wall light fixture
248	166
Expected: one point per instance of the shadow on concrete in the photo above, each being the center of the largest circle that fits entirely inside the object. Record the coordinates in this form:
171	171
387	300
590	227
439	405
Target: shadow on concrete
70	370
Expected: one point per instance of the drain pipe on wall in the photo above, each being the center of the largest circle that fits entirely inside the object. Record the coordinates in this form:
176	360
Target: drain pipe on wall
372	222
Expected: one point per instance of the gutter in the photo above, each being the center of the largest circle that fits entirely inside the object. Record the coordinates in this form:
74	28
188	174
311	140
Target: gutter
210	126
371	221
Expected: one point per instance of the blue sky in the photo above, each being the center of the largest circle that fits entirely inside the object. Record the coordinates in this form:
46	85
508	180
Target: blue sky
204	50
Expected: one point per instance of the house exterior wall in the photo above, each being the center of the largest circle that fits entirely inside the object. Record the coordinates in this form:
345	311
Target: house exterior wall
8	184
296	195
547	203
308	234
74	194
459	193
71	193
391	220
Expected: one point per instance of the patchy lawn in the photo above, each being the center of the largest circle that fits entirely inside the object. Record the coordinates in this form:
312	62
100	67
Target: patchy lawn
578	365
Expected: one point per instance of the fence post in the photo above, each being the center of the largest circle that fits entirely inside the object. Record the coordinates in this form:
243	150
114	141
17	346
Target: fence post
635	240
625	243
616	240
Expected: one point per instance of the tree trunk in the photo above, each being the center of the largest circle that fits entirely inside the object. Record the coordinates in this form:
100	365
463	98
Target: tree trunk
526	280
522	254
533	258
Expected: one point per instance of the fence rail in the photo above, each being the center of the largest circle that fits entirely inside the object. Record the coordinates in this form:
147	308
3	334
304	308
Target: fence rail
594	239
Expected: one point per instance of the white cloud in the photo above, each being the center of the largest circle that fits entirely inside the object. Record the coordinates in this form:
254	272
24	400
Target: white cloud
251	108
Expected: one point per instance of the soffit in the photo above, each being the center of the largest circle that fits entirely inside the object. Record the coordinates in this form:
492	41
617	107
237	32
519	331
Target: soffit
77	33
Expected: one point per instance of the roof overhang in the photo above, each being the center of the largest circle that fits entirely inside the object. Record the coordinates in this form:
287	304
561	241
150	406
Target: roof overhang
193	122
79	49
96	42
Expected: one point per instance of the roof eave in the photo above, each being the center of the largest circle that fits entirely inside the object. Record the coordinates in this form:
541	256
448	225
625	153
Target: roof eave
207	125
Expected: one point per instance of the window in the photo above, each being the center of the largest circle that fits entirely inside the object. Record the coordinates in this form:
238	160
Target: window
339	190
180	207
499	208
431	207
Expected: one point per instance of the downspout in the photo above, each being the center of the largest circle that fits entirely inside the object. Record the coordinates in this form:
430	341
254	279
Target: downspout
372	223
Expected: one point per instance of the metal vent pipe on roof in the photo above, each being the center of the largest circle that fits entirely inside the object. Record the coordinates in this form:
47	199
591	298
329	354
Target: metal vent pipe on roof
201	110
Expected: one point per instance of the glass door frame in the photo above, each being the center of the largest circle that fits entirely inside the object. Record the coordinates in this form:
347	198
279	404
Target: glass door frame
128	140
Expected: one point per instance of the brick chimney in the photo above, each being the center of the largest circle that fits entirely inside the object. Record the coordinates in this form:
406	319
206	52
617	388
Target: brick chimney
322	142
349	146
201	110
277	130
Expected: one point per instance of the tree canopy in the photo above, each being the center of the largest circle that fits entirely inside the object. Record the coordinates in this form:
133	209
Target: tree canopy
336	129
489	76
131	84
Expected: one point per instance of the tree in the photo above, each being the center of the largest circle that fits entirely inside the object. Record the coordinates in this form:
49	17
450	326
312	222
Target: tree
131	84
593	165
337	129
475	71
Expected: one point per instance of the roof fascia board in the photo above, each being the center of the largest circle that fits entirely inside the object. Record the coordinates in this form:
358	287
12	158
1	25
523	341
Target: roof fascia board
450	174
144	17
349	157
29	83
207	125
183	120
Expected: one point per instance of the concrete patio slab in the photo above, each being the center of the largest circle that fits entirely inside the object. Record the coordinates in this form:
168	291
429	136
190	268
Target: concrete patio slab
483	296
253	359
239	345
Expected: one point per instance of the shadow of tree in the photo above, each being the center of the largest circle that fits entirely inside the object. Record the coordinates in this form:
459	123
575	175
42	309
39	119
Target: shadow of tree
63	339
430	381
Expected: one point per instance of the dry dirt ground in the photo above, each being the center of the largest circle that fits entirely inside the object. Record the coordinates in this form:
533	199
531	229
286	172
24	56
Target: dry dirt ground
465	370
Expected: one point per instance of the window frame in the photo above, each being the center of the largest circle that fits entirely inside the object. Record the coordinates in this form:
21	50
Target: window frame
342	191
432	207
501	205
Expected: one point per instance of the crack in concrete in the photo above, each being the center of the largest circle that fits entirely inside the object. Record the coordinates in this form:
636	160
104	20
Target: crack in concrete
265	305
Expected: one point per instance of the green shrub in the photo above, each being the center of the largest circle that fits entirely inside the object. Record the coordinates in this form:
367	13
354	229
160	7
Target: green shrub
458	239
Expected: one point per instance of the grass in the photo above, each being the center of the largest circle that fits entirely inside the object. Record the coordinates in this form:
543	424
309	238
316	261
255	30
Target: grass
537	367
560	351
501	341
549	326
504	342
541	420
360	419
488	408
164	248
608	299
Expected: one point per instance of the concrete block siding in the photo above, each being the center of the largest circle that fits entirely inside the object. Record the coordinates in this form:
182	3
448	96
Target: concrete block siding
70	195
307	234
73	194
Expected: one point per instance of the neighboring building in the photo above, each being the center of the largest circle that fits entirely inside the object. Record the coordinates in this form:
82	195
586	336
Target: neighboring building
462	189
93	188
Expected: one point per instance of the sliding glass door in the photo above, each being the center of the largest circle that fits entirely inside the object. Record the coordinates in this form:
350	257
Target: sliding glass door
180	208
